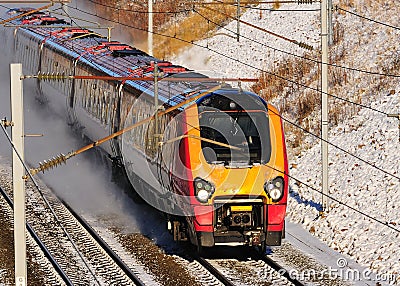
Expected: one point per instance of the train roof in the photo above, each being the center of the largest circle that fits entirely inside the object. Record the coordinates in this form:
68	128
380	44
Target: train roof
111	58
224	97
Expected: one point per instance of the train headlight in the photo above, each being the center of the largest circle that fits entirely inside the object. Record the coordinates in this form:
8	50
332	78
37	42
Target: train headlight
203	190
274	189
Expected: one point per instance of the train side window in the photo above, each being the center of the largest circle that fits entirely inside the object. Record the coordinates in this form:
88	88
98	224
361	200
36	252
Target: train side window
104	107
85	96
99	100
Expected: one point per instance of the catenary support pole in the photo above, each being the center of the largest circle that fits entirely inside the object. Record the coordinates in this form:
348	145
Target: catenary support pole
238	22
18	173
150	28
330	23
398	117
324	97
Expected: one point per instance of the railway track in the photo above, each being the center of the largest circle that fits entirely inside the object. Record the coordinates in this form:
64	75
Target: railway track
250	269
76	254
93	262
55	273
107	249
213	270
101	265
281	270
250	272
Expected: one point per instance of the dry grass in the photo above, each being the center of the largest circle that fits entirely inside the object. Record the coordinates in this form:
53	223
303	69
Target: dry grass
190	29
276	5
275	83
134	14
188	26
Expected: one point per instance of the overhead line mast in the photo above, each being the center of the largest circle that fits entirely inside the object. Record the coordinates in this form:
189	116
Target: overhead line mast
150	28
324	99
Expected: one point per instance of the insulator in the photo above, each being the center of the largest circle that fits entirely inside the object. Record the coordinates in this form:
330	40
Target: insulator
7	123
305	46
54	162
52	76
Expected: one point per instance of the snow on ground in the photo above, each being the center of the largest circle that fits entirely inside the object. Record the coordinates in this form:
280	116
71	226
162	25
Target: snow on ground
372	136
357	185
297	25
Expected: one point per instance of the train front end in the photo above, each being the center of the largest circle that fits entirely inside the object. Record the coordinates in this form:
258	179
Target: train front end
235	150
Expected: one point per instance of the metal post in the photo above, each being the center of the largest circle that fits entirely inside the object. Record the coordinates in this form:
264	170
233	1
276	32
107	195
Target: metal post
398	117
18	173
150	29
156	99
109	34
238	22
324	97
330	23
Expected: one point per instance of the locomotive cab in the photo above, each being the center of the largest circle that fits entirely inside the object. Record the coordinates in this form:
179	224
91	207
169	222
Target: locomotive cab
239	168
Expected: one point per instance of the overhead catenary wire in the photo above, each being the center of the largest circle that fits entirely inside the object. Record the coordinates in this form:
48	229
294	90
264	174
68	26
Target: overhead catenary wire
244	63
255	41
44	76
315	89
295	55
25	14
305	86
234	59
247	64
366	18
282	51
302	45
47	203
338	147
279	10
63	158
248	5
141	12
386	224
334	199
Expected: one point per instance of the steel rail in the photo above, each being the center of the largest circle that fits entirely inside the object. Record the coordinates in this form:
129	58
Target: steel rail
281	270
125	268
46	252
214	271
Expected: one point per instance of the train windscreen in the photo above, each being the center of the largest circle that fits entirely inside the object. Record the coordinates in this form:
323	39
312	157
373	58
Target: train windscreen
246	135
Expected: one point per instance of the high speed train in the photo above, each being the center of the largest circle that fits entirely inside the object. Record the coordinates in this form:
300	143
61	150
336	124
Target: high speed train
211	157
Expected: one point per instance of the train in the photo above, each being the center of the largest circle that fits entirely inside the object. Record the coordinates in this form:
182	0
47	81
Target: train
210	156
